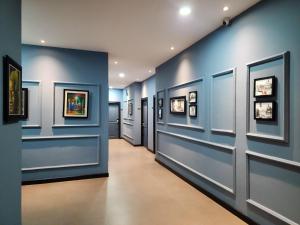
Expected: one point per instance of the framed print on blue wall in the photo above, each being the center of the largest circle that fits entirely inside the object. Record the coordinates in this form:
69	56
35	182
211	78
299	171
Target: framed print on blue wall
75	103
265	110
265	87
178	105
24	113
12	90
193	97
193	110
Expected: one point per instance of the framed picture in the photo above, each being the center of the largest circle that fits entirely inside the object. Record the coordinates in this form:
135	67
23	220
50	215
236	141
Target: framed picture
265	87
160	103
193	97
24	113
12	90
178	105
193	110
160	114
264	110
75	103
130	108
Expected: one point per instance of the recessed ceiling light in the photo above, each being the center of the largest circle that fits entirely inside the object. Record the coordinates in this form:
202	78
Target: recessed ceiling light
121	75
172	48
184	11
116	62
150	71
226	8
43	41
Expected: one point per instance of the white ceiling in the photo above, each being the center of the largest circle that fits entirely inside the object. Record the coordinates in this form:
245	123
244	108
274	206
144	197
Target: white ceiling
136	33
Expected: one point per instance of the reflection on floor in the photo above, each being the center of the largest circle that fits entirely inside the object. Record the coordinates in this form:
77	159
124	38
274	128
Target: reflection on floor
138	192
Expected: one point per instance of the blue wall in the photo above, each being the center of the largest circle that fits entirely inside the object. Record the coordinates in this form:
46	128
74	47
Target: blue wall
116	95
10	134
148	91
252	166
52	146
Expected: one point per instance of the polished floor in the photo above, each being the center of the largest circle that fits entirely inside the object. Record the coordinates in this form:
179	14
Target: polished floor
138	192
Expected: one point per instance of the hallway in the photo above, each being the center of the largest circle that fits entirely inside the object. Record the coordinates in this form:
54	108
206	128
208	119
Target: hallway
138	192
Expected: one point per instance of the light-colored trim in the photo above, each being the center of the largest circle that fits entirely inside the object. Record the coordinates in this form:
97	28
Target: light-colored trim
42	138
186	83
127	136
97	124
286	117
248	186
128	124
228	189
192	127
160	123
36	126
217	130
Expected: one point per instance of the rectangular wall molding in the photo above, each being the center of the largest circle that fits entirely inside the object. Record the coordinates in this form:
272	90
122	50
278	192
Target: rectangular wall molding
97	124
39	125
186	126
129	124
285	56
60	137
220	130
186	83
216	146
274	160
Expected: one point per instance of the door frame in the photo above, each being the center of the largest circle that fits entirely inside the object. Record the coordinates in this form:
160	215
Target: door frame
154	124
142	118
119	115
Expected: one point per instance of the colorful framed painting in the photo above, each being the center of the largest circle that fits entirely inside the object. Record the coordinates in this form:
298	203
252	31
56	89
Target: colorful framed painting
193	110
265	87
264	110
178	105
193	97
24	113
76	103
12	90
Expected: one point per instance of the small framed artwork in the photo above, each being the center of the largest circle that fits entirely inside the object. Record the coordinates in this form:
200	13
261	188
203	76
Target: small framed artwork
12	90
76	103
160	103
193	110
24	113
130	108
160	114
264	110
178	105
265	87
193	97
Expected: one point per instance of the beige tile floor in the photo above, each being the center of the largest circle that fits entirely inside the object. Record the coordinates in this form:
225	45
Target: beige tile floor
138	192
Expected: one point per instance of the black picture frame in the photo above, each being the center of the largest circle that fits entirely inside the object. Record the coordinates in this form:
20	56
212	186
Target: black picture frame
193	115
66	113
273	112
273	86
130	108
160	103
160	113
12	90
196	97
173	100
25	96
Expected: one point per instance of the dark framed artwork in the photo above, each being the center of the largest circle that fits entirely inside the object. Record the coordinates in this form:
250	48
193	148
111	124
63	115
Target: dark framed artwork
24	113
264	87
193	110
193	97
160	114
265	110
130	108
12	90
75	103
160	102
178	105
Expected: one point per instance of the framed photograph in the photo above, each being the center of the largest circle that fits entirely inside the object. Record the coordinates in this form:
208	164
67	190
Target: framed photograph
12	90
24	113
130	108
160	114
193	110
75	103
160	103
264	110
265	87
193	97
178	105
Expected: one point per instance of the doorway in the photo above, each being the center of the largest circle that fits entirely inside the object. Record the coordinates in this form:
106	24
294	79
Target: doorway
154	124
114	120
144	124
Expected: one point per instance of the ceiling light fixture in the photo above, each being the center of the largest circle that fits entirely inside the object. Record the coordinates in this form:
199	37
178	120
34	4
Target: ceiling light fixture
43	41
226	8
172	48
184	11
150	71
121	75
116	62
